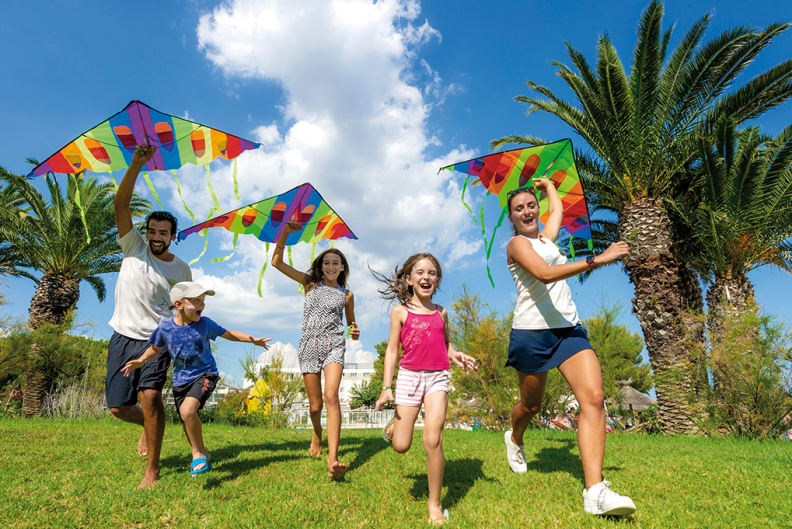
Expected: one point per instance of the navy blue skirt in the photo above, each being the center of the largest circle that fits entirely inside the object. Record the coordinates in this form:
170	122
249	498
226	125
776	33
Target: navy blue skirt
537	351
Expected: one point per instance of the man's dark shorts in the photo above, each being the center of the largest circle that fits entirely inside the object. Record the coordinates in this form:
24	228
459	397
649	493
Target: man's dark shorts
121	390
201	388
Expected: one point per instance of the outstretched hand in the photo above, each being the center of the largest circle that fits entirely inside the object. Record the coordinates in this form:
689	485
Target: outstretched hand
143	154
615	251
466	362
543	184
261	342
385	396
131	366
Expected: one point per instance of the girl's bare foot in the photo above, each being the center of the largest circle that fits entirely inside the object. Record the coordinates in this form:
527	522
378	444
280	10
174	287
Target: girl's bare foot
335	469
142	446
316	446
436	515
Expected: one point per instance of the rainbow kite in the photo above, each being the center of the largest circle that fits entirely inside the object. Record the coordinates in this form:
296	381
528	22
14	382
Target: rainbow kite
266	219
109	146
505	171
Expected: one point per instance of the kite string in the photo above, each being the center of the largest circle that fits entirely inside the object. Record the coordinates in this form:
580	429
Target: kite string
151	188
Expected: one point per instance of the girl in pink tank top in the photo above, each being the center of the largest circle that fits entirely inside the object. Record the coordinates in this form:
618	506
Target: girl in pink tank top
420	327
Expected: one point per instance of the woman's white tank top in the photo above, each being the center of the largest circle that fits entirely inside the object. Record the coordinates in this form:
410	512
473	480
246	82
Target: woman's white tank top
539	305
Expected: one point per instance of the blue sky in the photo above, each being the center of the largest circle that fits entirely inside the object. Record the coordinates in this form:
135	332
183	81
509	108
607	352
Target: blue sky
364	100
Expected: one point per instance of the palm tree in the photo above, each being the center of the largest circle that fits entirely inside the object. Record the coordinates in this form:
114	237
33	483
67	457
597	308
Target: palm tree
742	219
643	130
51	239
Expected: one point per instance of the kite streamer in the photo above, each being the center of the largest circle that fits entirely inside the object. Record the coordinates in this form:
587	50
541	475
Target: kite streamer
506	171
266	219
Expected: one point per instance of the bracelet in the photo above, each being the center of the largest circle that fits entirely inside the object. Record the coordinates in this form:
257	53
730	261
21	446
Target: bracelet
590	262
280	246
386	387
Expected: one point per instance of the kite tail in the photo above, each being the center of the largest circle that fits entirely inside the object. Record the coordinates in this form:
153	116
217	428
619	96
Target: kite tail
115	184
263	268
313	252
178	190
211	190
236	183
78	202
591	245
203	233
300	287
464	188
229	256
151	188
492	243
571	248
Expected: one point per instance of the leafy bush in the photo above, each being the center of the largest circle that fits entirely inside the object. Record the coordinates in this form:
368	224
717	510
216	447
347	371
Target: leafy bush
752	374
75	401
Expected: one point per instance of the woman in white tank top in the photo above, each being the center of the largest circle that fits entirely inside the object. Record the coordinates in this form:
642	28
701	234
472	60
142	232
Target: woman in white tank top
546	333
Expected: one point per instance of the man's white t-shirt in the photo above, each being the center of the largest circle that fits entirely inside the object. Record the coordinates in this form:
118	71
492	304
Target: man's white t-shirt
142	292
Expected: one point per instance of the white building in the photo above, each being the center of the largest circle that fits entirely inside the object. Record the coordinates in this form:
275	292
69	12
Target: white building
353	375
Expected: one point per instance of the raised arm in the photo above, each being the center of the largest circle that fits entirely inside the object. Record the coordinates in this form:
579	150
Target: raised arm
555	208
397	317
127	186
349	309
519	250
277	255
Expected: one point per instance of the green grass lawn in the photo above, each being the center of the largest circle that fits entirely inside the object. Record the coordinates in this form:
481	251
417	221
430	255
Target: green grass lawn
58	473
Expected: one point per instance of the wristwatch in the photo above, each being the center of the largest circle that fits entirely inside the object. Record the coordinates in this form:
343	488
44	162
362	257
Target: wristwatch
590	262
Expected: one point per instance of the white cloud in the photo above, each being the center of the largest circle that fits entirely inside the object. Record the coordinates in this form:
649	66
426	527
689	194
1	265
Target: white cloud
356	354
356	101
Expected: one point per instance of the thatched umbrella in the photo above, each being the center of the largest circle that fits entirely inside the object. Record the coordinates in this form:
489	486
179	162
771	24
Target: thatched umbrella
632	399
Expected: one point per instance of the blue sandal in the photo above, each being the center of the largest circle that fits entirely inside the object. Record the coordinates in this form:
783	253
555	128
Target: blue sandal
198	461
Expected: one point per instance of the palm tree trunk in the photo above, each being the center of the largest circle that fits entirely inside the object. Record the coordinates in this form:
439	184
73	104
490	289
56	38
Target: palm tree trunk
729	300
55	296
667	303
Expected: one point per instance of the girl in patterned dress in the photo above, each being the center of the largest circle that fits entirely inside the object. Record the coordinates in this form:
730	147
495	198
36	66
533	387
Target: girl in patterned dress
421	328
322	342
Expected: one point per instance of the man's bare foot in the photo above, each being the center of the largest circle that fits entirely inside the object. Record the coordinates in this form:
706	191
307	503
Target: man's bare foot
148	481
335	469
142	445
316	446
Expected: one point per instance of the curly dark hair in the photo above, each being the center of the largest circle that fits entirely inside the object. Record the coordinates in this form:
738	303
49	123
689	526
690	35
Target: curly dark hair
163	215
396	287
315	274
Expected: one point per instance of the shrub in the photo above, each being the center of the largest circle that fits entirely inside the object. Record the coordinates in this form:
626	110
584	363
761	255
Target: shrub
75	401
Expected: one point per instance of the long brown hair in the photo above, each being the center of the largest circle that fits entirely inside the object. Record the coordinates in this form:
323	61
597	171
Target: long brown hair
315	274
514	193
396	287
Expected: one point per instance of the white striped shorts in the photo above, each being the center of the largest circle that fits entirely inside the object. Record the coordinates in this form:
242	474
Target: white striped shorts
413	386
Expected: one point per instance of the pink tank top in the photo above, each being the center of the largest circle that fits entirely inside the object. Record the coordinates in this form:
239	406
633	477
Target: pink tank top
423	342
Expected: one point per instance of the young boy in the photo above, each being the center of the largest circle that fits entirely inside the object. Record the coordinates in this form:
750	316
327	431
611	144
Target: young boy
195	373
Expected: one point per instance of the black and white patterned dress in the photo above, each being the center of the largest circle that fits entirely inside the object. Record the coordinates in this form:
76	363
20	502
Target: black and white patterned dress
322	341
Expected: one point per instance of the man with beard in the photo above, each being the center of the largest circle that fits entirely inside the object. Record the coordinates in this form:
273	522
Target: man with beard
142	299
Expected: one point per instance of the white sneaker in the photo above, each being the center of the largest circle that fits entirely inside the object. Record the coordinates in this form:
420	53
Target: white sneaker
600	499
515	454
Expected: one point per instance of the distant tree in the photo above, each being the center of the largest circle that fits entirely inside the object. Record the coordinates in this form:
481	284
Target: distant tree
619	352
284	389
490	393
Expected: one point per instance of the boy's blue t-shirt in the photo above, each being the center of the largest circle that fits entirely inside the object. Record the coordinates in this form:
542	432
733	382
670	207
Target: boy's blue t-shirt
188	346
